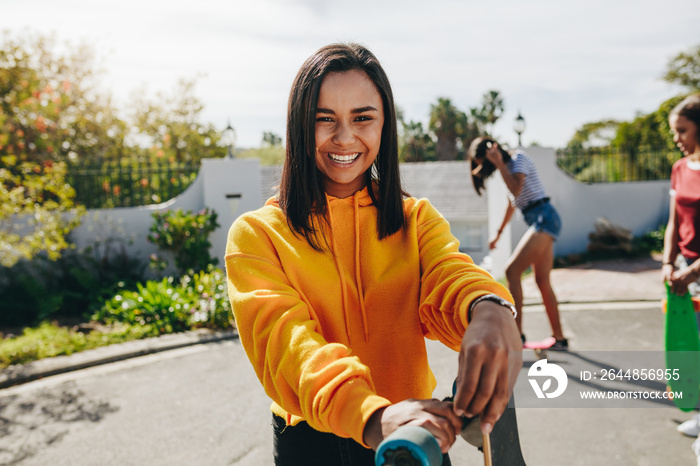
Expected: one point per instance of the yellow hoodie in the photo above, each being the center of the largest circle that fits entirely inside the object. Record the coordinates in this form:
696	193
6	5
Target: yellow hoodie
334	336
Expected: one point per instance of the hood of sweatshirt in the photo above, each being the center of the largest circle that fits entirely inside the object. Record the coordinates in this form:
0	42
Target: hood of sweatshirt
344	213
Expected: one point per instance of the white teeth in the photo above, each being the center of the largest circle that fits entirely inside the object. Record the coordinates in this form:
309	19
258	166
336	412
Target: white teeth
344	158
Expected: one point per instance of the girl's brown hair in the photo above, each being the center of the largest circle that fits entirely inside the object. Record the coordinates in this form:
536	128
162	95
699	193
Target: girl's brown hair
481	167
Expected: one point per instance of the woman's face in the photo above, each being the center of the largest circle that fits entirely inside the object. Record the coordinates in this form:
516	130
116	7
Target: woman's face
349	122
685	134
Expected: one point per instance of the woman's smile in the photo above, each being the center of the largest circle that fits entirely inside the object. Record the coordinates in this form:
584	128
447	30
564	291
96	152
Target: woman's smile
344	159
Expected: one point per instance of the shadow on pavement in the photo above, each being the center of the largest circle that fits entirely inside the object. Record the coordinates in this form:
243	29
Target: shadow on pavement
31	422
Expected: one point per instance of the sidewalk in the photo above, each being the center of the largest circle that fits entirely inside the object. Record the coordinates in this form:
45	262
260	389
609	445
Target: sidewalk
616	280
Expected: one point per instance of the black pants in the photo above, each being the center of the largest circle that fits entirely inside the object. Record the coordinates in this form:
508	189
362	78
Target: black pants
301	445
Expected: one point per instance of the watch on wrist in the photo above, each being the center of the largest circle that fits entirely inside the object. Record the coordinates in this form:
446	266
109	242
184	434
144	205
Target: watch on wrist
495	298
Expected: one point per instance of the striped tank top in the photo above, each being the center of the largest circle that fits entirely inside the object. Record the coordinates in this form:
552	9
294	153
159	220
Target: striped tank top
532	189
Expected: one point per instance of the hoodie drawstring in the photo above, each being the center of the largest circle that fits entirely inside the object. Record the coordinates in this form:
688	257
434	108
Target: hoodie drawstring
358	268
339	268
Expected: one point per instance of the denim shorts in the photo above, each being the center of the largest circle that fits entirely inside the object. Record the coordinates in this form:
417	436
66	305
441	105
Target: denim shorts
545	218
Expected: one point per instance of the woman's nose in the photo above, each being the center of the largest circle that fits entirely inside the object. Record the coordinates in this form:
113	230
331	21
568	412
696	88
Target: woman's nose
343	134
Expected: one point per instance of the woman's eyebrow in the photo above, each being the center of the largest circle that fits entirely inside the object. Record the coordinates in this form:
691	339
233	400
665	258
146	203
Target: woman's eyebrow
368	108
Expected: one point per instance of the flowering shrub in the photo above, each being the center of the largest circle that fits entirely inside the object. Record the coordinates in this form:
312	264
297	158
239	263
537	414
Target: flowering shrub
162	307
211	307
186	235
195	301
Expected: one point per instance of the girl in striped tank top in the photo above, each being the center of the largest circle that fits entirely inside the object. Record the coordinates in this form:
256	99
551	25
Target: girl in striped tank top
536	248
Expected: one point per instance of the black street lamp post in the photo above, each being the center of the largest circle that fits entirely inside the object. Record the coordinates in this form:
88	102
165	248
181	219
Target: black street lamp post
228	140
519	127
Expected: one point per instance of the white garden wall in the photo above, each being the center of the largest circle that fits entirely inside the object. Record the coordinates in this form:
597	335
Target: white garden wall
228	186
234	186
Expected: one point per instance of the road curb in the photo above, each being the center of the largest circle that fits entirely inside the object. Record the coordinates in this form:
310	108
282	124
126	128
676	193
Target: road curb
568	306
19	374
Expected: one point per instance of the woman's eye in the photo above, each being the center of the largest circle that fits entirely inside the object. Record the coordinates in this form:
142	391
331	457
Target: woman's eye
323	119
363	118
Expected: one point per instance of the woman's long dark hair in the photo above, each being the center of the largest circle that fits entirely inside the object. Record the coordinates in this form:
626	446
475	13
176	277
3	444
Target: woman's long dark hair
483	168
301	196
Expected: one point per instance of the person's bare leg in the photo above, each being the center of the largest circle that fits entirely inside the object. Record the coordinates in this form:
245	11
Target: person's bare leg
522	257
542	267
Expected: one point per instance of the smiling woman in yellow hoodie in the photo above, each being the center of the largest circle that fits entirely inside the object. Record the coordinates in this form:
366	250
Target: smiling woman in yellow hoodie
336	282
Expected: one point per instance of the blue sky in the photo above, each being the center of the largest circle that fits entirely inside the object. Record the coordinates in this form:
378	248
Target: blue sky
560	63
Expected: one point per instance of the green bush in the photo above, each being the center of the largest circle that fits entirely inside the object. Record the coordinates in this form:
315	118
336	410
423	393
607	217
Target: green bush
211	308
650	242
186	235
161	306
195	301
74	286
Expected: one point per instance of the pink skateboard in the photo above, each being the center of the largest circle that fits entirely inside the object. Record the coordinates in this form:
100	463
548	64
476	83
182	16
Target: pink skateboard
544	344
540	347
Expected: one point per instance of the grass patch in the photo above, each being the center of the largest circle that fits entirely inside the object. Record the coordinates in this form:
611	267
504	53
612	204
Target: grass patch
50	340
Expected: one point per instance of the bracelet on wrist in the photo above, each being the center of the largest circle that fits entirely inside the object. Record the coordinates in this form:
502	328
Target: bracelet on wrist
495	298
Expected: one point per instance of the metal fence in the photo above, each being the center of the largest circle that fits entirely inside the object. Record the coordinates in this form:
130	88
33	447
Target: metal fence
607	164
128	184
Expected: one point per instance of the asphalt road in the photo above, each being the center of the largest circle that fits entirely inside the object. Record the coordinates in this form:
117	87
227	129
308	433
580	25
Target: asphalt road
202	405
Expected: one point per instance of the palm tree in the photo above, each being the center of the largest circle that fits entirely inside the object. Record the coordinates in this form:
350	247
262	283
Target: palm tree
470	128
492	107
444	122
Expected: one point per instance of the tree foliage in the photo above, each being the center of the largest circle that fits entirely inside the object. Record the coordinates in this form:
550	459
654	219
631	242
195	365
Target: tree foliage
684	69
610	150
417	145
454	129
644	143
168	126
597	133
36	210
492	107
445	120
271	139
50	107
53	115
36	119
